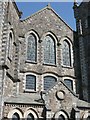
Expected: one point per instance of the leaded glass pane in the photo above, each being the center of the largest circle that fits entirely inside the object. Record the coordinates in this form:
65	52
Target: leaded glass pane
31	82
69	83
49	50
49	81
66	54
31	48
15	116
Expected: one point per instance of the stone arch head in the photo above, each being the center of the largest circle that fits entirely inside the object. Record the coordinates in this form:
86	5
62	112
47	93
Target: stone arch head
15	110
32	31
32	112
51	34
69	40
61	114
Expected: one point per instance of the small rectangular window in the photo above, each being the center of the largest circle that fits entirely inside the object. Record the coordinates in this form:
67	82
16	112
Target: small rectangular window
31	82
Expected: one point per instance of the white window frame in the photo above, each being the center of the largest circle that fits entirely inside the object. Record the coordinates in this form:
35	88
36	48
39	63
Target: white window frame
71	52
15	110
30	90
26	40
73	82
61	113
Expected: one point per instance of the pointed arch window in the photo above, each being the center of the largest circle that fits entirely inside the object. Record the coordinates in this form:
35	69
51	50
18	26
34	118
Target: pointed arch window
15	116
10	46
49	50
30	117
31	82
69	83
49	81
32	48
66	53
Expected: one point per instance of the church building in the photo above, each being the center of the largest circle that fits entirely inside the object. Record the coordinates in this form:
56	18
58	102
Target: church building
44	64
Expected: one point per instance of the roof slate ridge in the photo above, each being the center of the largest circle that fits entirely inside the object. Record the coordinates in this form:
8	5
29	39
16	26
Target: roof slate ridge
48	7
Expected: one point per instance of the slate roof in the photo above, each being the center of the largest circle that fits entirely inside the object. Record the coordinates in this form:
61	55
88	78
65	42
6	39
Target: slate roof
81	103
48	7
24	98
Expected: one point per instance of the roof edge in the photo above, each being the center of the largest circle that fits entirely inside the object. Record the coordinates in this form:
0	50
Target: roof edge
16	8
47	7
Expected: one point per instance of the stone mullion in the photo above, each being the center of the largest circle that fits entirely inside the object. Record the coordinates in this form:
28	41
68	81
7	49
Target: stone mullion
58	57
40	51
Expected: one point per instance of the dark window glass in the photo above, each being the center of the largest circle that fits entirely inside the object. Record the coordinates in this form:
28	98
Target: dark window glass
49	82
31	82
66	53
31	48
49	50
69	83
61	117
30	117
15	116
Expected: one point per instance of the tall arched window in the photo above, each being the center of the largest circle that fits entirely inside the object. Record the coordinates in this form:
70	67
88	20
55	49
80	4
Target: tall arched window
31	82
66	53
30	117
49	50
15	116
49	81
32	48
10	46
69	83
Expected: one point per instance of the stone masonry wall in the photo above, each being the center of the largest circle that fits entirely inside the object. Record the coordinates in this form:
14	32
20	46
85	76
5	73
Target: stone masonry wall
43	22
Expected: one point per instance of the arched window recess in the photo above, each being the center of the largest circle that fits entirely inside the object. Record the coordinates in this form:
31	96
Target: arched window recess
67	56
49	48
32	39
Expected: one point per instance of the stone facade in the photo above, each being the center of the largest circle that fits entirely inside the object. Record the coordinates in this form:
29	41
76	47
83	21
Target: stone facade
59	101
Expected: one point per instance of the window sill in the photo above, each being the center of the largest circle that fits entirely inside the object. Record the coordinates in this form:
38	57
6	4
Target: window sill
29	91
49	65
28	61
69	67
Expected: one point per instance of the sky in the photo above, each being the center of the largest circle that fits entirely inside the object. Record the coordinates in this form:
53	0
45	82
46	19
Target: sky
63	9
